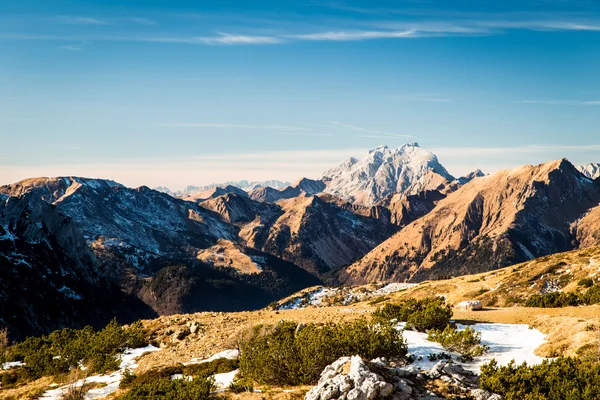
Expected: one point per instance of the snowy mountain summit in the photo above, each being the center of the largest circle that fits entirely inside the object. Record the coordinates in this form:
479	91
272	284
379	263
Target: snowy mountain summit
383	171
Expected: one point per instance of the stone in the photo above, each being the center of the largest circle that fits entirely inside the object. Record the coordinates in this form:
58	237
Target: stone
480	394
470	305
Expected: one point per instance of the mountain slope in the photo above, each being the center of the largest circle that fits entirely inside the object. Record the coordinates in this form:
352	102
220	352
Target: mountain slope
588	228
150	245
493	221
406	170
49	277
320	236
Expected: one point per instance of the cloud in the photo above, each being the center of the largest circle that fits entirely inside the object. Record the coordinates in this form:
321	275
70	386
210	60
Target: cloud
73	47
143	21
82	21
234	126
220	39
355	35
559	102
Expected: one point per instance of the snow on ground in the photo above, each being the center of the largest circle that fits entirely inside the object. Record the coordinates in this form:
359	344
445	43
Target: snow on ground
506	341
222	381
111	381
393	287
232	354
12	364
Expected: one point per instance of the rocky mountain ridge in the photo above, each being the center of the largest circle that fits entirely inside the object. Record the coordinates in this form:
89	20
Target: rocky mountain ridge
382	172
511	216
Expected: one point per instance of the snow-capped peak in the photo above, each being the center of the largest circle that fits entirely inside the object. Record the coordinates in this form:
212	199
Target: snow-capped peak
383	171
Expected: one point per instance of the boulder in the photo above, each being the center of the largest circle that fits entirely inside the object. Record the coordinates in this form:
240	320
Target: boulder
470	305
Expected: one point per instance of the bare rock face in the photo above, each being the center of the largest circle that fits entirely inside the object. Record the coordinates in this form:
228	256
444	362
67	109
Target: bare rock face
383	172
491	222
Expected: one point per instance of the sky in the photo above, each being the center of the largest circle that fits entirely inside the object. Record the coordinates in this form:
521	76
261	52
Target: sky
178	93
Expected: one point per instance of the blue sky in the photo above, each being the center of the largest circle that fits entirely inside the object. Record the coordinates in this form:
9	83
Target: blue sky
192	92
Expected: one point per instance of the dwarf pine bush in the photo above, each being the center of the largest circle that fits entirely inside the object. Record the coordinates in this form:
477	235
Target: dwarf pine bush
292	354
559	299
467	342
63	349
559	379
420	315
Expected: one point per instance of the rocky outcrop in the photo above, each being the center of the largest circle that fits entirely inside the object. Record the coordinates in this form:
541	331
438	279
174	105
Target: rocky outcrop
383	172
491	222
354	378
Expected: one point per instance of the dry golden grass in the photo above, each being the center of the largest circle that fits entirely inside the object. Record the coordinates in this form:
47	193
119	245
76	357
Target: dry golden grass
32	390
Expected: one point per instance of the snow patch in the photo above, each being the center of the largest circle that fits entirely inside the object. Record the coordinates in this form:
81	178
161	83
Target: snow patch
111	381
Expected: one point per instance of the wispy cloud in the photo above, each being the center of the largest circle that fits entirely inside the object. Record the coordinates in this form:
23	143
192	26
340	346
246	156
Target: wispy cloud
221	38
234	126
559	102
143	21
73	47
82	21
355	35
378	134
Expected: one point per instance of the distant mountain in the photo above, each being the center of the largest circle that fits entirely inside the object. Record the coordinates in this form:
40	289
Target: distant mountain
383	172
190	191
591	170
142	243
213	192
469	177
493	221
318	234
302	188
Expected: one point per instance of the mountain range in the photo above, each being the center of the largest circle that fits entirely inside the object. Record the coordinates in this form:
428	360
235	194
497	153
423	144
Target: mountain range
99	249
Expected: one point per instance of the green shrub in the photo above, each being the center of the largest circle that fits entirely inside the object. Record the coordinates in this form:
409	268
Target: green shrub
467	342
420	315
292	354
63	349
241	386
171	389
158	384
559	379
559	299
